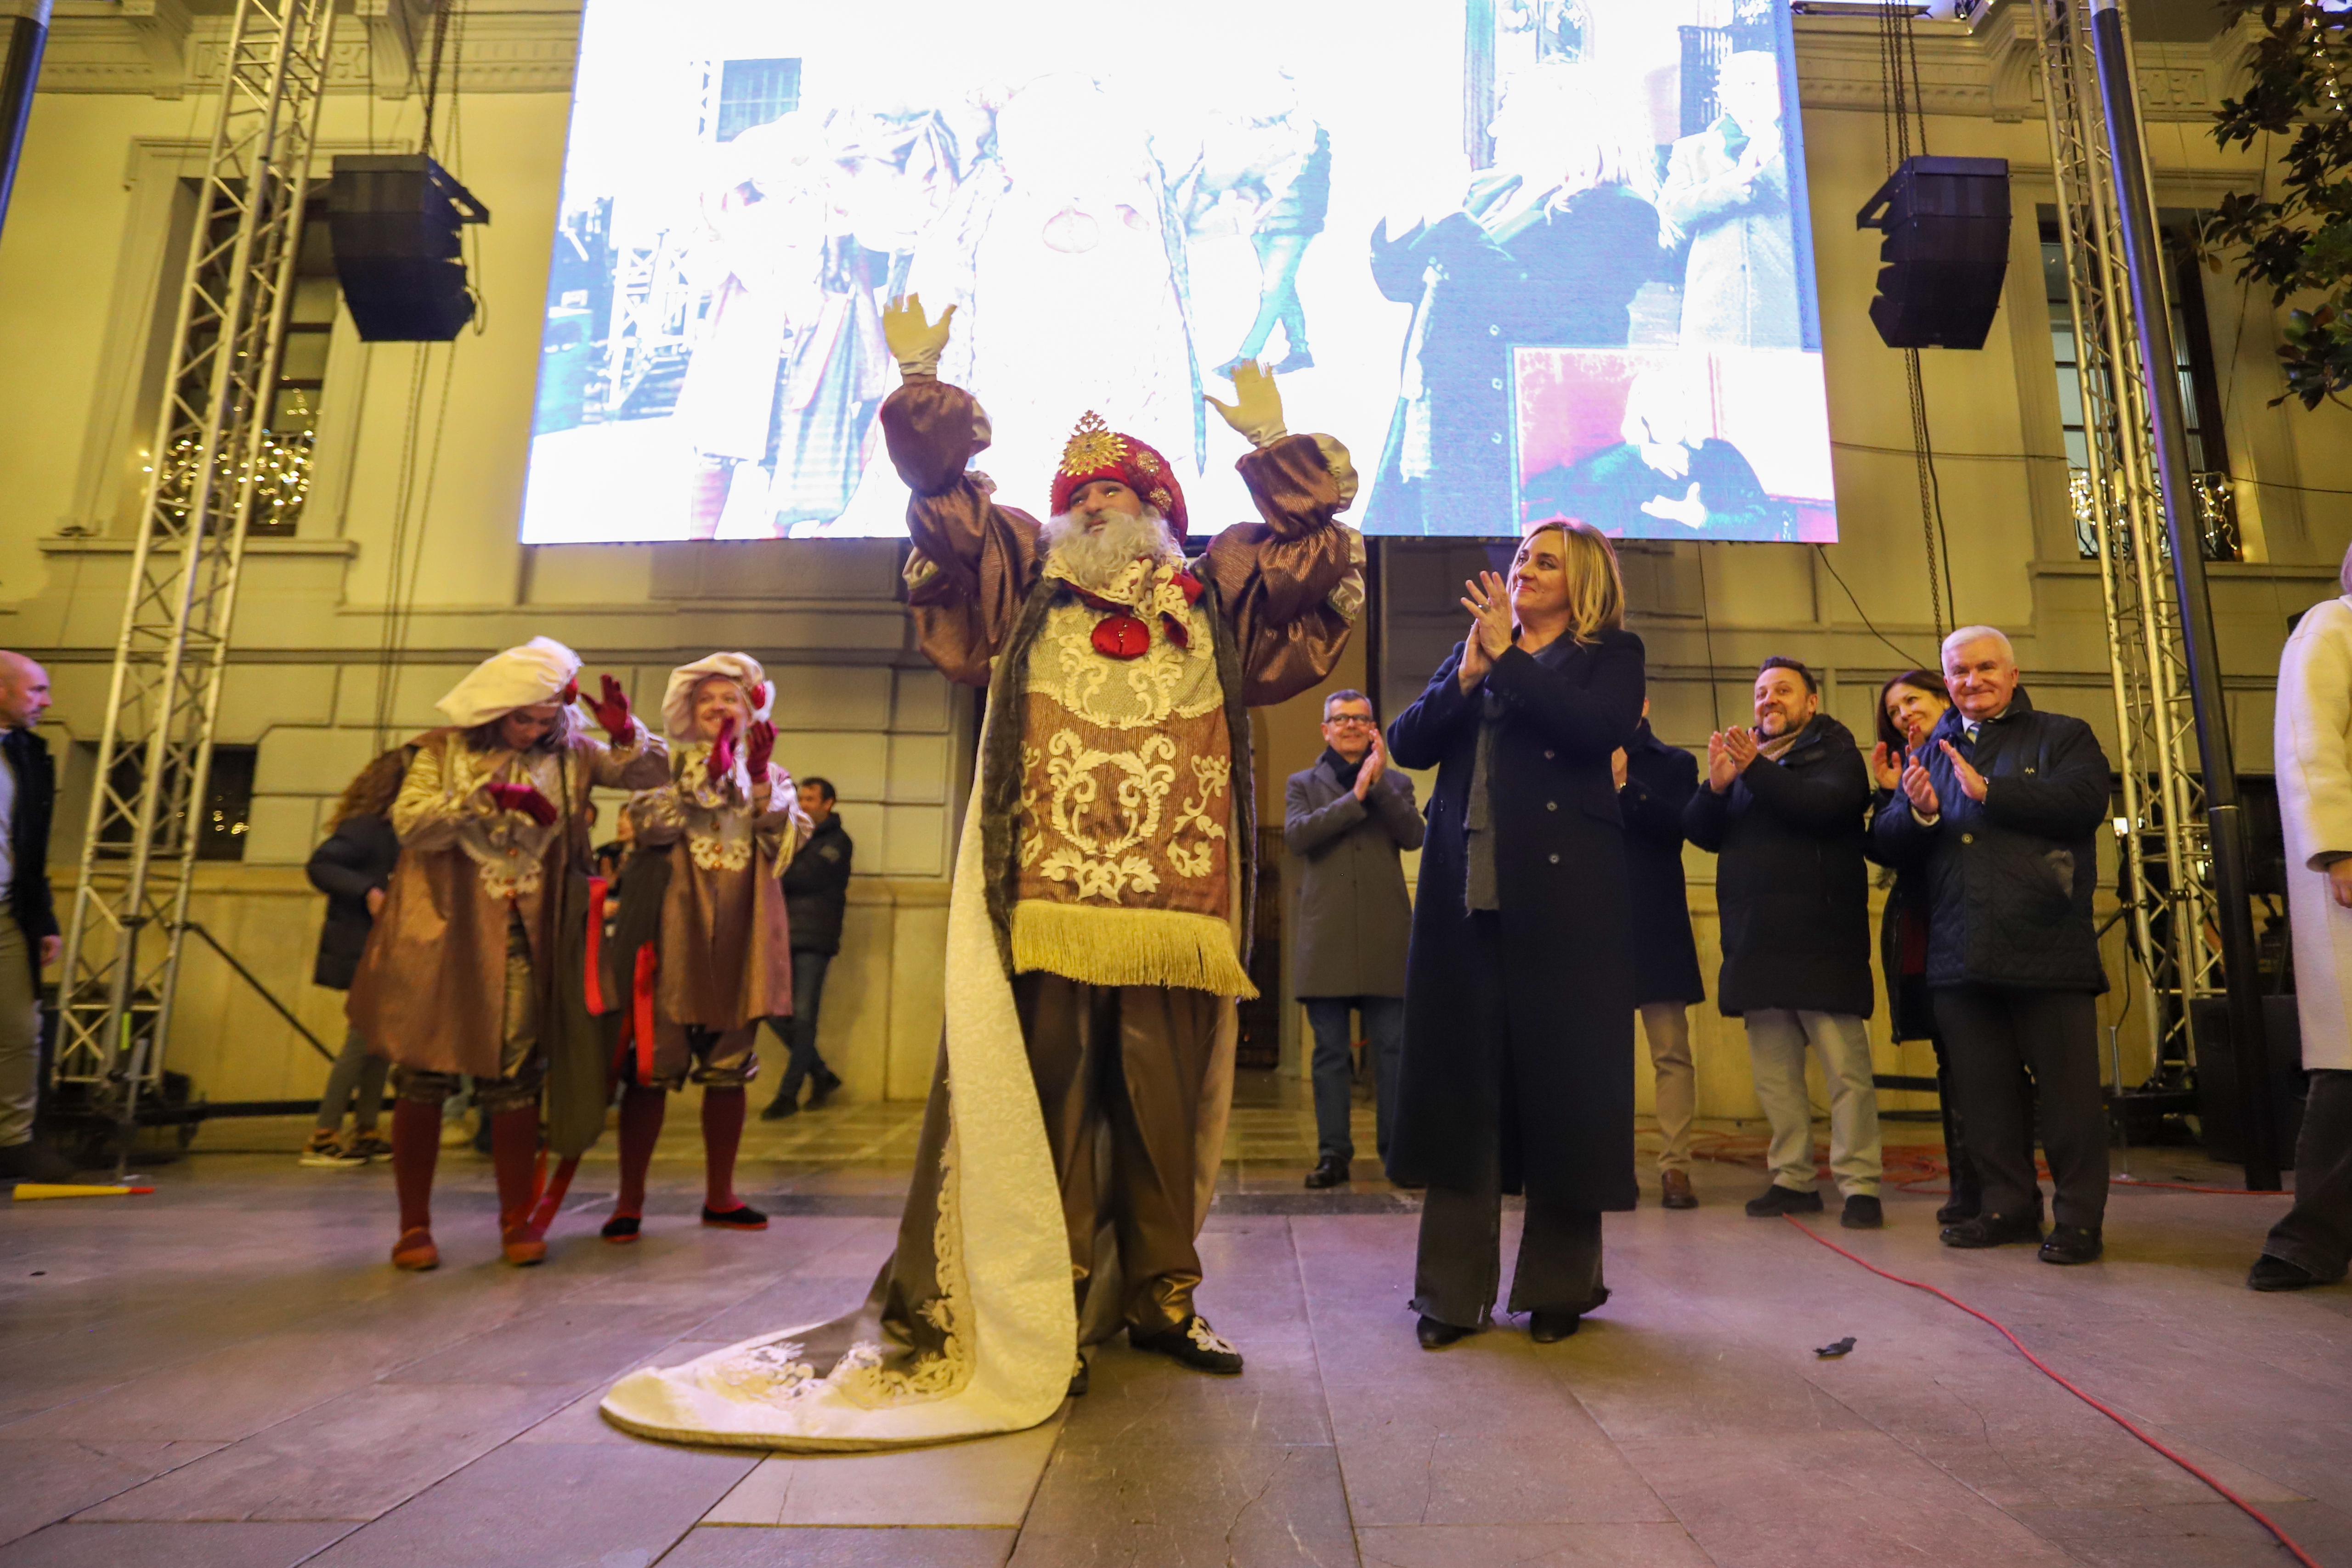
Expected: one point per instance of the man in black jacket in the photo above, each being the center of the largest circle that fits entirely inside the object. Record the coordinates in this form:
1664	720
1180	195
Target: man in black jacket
2001	812
1785	808
28	921
817	891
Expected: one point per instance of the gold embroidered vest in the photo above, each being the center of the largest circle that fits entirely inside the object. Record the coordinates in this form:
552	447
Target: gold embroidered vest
1126	871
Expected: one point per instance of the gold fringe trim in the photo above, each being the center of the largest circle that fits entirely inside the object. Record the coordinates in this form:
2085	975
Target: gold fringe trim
1128	948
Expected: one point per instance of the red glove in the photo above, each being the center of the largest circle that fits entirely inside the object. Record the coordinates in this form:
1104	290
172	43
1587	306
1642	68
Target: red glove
722	750
523	797
612	711
759	750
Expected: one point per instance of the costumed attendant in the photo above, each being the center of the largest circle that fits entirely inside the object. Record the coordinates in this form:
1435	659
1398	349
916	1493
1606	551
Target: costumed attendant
1098	928
461	973
1518	1023
712	844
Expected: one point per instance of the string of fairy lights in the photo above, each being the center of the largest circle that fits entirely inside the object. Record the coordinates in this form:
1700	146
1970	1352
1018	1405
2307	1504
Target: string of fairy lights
280	473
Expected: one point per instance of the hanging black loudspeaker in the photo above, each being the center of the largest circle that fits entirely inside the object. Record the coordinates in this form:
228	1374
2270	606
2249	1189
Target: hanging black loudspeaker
1945	251
395	221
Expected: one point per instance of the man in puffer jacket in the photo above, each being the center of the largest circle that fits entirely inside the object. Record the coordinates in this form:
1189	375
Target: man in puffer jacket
2001	809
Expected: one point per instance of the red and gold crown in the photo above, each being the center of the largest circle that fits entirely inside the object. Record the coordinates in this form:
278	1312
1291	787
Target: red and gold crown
1098	451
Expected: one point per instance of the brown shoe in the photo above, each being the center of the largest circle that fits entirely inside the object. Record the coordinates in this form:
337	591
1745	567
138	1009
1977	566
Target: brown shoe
415	1251
1675	1190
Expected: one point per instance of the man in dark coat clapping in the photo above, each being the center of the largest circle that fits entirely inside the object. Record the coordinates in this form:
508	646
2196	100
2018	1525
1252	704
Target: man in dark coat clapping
1346	818
1784	809
1654	782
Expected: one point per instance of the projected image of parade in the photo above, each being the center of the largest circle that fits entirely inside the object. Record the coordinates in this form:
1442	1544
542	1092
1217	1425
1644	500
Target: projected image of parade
1565	271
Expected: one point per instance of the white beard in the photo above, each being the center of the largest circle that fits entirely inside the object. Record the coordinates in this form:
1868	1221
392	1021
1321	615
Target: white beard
1095	560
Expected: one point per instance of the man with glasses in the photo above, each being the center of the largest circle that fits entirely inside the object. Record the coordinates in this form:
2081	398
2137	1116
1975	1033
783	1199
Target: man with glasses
1349	817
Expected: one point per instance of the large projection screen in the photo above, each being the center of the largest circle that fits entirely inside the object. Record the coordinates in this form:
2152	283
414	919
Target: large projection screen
1528	258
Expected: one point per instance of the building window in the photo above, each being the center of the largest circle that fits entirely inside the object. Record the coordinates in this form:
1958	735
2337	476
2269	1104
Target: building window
227	814
293	396
754	92
2201	403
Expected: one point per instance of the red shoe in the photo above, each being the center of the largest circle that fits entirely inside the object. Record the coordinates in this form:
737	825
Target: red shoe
415	1251
522	1245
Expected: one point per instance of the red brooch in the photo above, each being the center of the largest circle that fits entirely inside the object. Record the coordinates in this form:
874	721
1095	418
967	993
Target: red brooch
1121	636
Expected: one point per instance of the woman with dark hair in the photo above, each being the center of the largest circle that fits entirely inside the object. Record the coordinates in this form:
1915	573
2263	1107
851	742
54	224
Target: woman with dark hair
490	894
1518	1047
352	868
1909	708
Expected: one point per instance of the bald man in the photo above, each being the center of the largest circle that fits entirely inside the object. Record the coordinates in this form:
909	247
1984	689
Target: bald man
28	921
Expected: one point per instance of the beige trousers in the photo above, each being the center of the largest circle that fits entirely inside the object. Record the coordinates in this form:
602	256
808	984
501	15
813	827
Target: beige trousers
1667	1027
20	1036
1777	1038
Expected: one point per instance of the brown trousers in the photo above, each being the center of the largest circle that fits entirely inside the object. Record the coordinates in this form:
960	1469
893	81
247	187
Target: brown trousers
1132	1057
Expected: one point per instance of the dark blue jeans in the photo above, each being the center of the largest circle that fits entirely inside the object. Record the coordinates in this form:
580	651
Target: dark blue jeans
1327	1017
799	1032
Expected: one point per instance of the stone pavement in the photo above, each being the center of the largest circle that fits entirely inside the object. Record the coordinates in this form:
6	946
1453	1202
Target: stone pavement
228	1373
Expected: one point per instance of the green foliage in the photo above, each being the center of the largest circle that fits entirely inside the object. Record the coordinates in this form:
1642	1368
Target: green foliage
2300	245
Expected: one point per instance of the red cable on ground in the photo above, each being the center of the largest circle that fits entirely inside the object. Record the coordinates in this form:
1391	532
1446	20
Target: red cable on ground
2257	1515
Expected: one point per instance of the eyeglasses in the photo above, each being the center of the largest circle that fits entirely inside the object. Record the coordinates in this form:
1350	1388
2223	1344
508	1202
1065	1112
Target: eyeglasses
1351	721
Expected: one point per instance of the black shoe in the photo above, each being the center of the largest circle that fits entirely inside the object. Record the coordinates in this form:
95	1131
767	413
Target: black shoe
621	1229
1778	1200
779	1108
1992	1230
2271	1274
822	1088
33	1161
1435	1335
1550	1328
2073	1244
1862	1212
1330	1171
1959	1210
742	1216
1194	1343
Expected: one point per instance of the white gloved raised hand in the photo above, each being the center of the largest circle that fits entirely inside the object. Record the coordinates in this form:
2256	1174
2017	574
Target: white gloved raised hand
916	342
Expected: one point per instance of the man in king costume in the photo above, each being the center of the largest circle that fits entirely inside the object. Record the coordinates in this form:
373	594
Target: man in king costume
1098	928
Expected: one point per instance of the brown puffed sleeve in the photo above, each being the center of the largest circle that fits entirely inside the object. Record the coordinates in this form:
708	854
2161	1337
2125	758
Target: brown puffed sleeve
974	561
1293	585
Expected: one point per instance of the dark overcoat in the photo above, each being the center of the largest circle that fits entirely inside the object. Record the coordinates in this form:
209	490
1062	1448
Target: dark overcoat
1537	1066
1354	918
29	899
1903	941
1660	780
1790	880
2011	877
356	859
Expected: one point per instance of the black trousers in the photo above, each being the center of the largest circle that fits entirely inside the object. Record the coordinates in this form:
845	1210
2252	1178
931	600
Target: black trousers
2317	1234
1458	1271
1993	1032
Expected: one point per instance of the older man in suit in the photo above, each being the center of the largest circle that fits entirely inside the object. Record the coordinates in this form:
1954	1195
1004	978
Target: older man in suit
1348	817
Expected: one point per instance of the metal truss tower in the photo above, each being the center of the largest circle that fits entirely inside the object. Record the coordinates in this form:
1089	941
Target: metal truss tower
2162	834
123	941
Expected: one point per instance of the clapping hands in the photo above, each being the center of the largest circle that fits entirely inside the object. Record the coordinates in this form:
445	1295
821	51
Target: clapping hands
1488	600
1728	753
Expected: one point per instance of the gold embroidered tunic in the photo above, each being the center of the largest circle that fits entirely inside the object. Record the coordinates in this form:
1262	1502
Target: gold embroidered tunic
1122	784
725	948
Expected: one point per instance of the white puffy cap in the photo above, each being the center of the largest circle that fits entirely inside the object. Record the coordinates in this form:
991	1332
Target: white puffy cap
536	673
677	701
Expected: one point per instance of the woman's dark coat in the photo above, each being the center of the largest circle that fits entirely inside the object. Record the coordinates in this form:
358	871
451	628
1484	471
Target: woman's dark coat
1789	881
1481	285
1902	942
2010	878
356	859
1540	1075
1660	780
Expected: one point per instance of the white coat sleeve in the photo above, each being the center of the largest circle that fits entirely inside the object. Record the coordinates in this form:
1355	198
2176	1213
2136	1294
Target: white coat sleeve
2315	732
